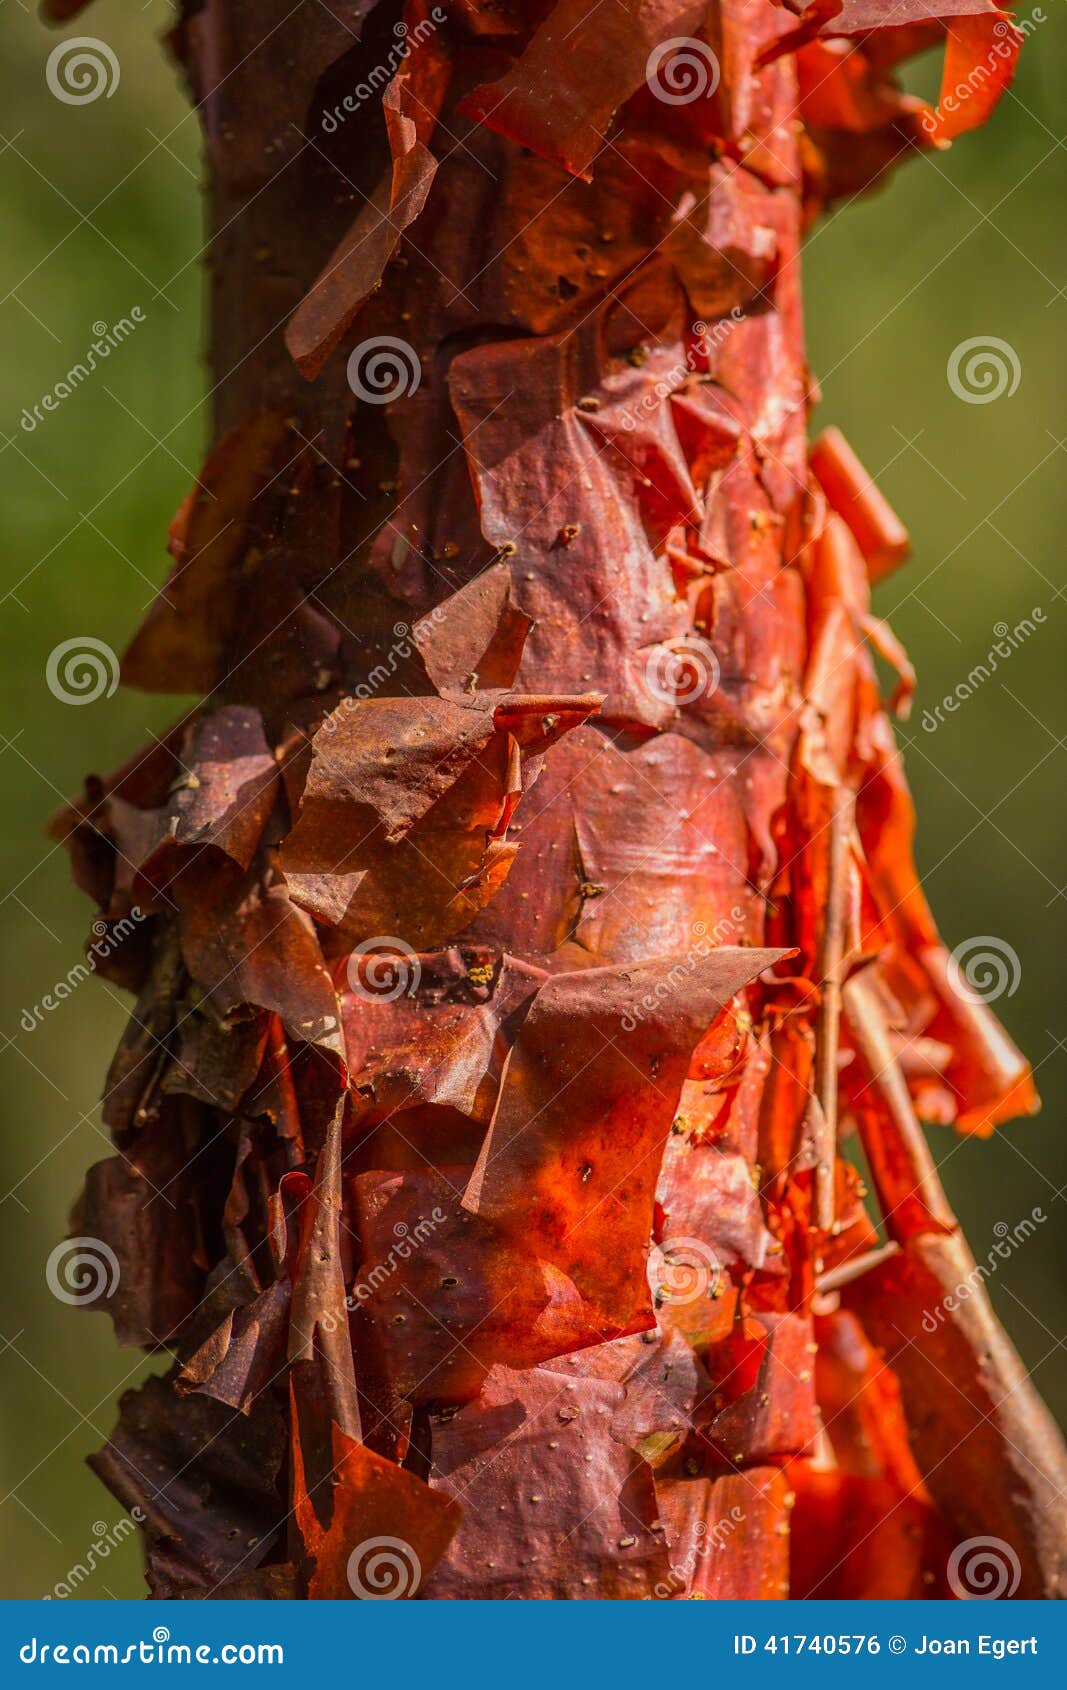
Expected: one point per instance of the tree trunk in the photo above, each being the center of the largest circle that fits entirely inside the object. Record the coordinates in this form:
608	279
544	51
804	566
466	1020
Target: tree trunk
533	921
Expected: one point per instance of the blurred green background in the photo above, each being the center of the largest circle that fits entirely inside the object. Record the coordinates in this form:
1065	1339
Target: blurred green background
101	213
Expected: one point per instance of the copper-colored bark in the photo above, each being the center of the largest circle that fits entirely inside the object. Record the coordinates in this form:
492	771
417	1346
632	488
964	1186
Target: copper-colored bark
534	917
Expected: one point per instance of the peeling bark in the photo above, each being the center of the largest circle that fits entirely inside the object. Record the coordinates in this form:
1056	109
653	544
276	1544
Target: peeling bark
534	916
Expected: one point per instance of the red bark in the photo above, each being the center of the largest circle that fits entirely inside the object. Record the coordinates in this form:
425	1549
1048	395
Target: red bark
534	917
